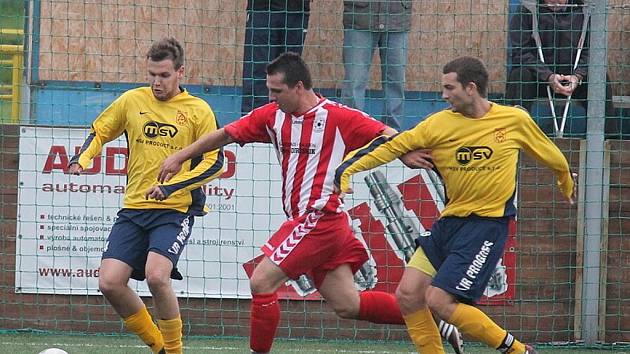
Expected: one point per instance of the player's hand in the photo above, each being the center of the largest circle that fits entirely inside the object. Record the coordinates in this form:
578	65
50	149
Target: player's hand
75	169
154	192
573	196
342	194
418	159
169	168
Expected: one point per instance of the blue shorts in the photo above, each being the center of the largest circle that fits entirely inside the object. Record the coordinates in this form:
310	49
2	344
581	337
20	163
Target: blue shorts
138	231
465	252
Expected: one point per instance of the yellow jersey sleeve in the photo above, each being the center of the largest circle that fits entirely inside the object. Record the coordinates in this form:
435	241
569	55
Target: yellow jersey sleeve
109	125
379	152
536	144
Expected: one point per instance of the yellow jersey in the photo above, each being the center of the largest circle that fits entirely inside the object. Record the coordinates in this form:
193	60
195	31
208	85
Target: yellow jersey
154	130
476	158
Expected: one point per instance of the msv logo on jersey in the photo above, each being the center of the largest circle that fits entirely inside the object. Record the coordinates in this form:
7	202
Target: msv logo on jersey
154	129
465	154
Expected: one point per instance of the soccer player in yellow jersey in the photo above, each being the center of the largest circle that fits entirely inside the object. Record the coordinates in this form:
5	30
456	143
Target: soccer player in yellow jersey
475	146
149	235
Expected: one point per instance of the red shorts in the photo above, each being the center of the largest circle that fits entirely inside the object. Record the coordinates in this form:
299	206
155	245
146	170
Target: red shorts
315	244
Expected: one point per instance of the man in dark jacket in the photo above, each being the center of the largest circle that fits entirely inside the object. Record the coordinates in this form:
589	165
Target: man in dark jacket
273	27
560	26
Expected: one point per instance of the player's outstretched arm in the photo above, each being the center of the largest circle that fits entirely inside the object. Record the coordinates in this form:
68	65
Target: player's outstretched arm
378	152
538	146
413	159
211	141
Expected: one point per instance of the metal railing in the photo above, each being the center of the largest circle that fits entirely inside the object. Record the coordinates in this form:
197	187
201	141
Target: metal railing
16	52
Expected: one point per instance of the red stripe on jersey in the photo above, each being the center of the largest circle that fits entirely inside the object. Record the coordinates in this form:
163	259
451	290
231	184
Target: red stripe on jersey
304	144
284	147
323	164
309	148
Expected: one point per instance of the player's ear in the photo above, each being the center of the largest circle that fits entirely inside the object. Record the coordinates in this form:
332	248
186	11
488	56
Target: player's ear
299	85
470	88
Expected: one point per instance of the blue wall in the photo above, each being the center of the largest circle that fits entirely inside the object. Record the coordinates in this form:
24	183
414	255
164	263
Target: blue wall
78	103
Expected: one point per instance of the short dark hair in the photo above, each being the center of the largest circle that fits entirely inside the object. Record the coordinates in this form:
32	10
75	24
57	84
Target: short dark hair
294	69
167	48
469	69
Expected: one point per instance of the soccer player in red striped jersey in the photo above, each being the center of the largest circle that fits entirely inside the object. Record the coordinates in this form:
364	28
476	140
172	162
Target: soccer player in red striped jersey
312	135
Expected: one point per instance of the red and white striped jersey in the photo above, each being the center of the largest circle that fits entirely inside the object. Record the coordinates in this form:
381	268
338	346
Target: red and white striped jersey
309	148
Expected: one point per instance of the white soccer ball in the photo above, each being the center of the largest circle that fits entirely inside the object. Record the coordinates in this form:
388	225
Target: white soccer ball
53	351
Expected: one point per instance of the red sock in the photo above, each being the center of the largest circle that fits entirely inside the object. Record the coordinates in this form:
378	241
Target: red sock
263	322
379	307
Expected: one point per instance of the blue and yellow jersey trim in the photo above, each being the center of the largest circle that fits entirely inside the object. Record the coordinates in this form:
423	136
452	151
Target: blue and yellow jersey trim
154	130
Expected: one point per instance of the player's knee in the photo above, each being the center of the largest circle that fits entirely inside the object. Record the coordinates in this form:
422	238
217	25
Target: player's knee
439	303
258	285
108	286
266	279
408	299
157	280
346	310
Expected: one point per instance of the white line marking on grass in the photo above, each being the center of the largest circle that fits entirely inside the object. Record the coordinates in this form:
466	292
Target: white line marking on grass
75	345
235	349
127	346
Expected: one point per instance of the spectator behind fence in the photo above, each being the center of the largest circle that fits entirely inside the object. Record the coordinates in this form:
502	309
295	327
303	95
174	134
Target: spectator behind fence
273	27
367	25
560	26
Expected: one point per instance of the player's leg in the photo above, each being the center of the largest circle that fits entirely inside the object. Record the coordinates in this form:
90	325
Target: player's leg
339	290
168	233
158	272
112	282
265	310
358	49
411	296
472	321
298	246
125	251
476	245
413	307
340	254
341	294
